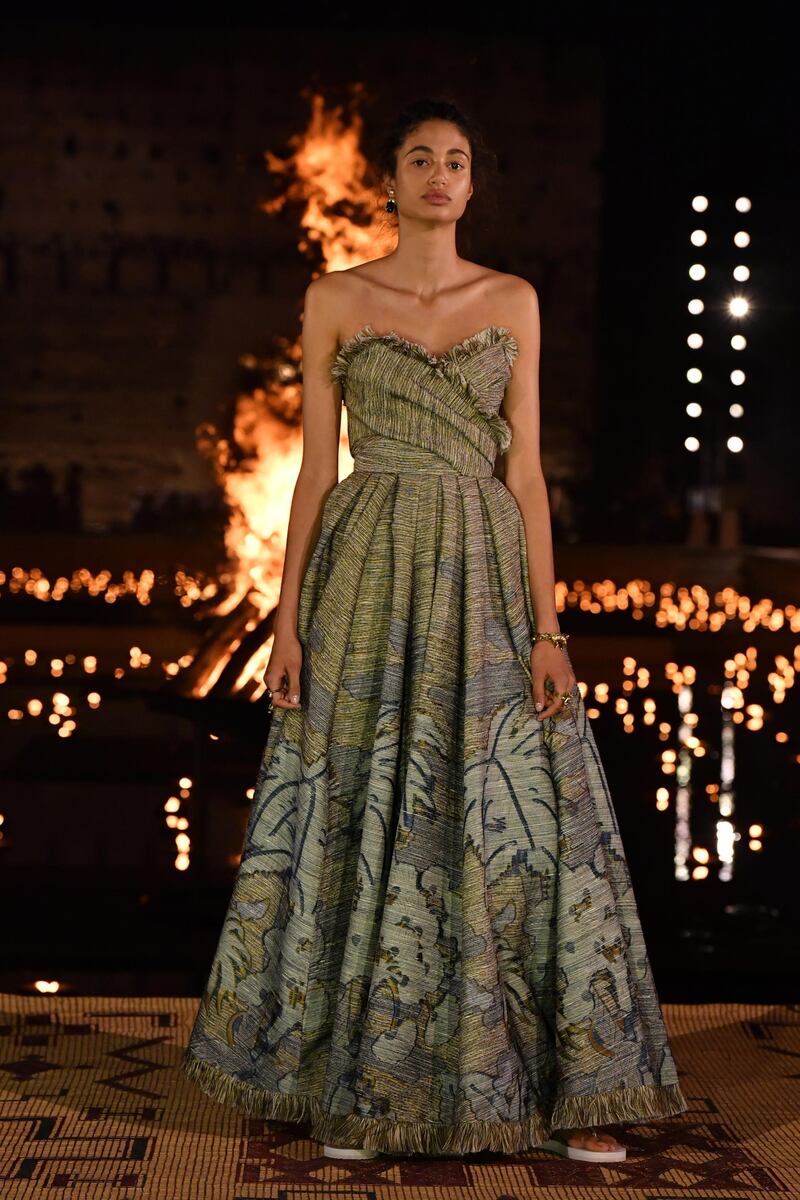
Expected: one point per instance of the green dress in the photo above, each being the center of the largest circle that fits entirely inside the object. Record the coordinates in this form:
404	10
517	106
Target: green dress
432	943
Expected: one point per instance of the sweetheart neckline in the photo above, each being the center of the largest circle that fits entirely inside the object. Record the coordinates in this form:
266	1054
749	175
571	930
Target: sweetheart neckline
453	359
368	333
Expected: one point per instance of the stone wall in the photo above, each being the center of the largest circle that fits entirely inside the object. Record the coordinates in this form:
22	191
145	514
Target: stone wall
136	265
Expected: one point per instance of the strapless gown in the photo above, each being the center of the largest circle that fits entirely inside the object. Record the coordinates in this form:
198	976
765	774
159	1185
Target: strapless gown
432	943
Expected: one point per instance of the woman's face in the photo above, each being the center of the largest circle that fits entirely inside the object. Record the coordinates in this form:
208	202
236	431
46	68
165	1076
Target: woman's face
434	172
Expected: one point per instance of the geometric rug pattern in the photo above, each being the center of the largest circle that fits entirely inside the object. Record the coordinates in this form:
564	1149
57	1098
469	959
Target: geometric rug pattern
93	1106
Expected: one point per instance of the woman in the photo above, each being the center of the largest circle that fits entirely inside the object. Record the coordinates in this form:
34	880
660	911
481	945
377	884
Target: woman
433	945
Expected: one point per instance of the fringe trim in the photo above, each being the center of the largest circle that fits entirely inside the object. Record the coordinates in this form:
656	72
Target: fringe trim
628	1105
502	430
489	336
446	363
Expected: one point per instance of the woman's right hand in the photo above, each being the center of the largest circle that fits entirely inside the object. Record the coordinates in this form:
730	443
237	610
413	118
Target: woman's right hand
282	675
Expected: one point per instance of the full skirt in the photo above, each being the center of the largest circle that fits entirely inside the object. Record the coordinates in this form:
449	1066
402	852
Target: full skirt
432	943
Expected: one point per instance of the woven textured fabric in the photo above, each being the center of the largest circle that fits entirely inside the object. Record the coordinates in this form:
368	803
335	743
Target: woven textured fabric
432	943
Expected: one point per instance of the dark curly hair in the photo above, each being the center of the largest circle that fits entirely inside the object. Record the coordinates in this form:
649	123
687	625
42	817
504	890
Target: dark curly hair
483	167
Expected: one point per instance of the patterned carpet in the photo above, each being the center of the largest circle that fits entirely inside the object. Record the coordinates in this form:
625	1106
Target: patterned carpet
93	1105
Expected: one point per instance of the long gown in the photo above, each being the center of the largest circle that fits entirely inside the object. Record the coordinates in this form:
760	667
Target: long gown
432	944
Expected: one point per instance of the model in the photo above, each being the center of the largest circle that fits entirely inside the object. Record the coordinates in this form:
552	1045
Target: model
433	944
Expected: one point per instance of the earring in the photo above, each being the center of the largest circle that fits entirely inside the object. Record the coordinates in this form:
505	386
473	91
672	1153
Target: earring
390	203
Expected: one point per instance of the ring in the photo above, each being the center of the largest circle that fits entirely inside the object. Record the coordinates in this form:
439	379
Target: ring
566	697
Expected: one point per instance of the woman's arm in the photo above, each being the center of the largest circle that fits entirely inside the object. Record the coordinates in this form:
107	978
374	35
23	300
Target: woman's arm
523	468
319	473
523	477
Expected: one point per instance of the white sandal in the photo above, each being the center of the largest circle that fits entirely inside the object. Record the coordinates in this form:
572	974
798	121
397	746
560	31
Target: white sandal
349	1152
578	1154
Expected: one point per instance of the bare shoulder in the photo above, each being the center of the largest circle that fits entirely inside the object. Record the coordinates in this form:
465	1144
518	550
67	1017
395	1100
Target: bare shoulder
516	303
322	308
507	299
515	296
337	294
324	292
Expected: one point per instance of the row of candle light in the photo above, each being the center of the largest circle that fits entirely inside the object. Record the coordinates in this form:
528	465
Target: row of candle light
680	607
684	607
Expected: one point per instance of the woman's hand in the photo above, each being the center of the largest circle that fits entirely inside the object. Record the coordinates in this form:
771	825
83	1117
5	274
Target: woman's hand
550	661
282	675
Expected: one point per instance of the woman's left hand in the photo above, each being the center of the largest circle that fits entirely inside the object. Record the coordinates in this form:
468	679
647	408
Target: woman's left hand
549	660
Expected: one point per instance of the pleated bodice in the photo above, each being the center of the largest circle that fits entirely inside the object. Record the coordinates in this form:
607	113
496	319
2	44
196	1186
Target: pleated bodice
446	405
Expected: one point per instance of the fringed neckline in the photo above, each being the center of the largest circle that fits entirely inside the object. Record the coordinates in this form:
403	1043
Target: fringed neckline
490	335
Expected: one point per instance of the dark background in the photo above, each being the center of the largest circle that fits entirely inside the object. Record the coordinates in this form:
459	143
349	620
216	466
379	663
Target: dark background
138	268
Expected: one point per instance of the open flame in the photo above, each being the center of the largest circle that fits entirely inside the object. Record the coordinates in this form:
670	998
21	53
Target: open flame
257	461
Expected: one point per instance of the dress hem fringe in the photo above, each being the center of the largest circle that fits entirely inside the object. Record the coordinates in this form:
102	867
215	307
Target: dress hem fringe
649	1102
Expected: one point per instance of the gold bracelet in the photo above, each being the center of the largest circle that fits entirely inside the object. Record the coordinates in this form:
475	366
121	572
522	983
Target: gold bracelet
557	639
